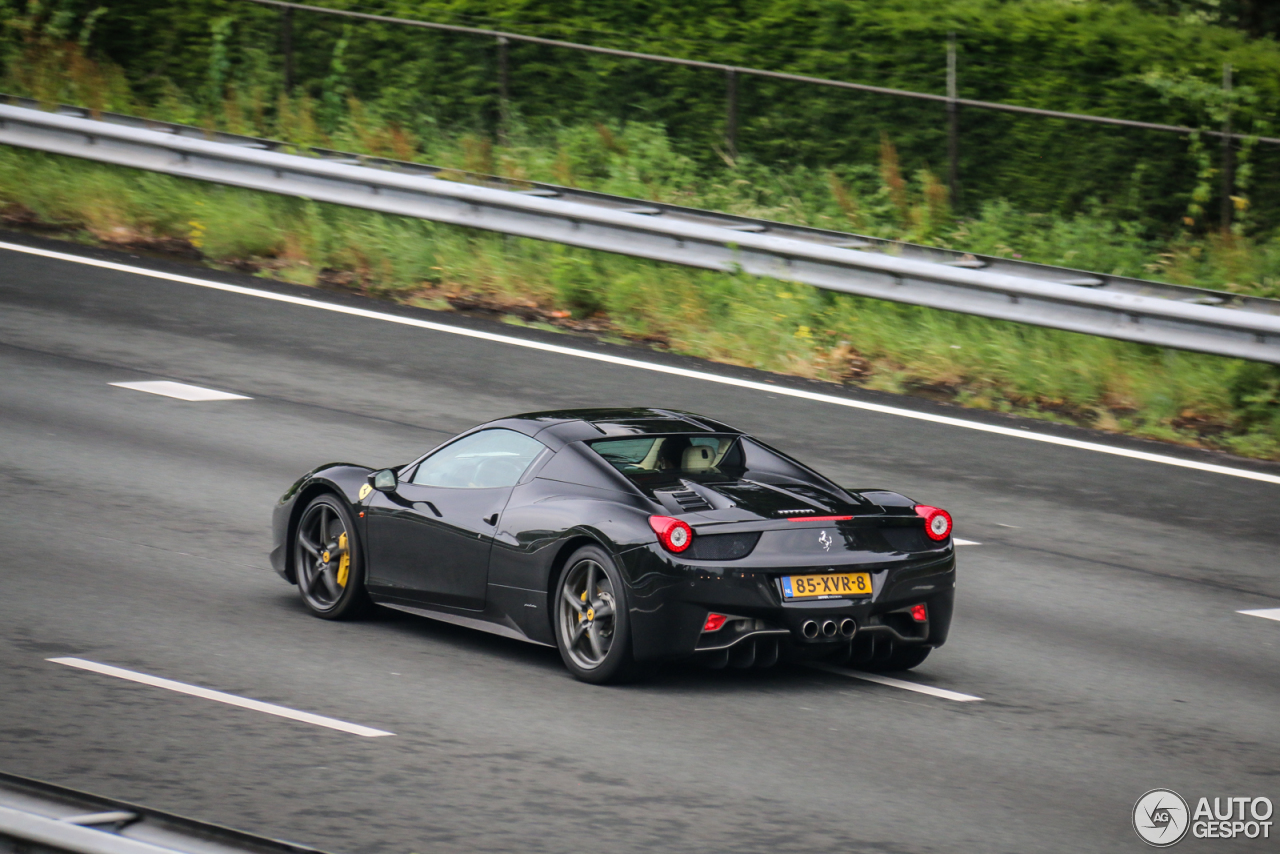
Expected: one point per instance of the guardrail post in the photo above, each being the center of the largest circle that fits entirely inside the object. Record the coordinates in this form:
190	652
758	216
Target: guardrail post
731	114
1228	166
504	94
953	125
286	45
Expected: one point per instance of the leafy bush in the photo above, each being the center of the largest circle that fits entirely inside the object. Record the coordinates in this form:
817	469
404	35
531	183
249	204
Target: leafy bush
1105	57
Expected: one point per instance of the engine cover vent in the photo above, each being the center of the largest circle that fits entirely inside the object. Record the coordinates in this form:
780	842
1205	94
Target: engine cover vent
689	501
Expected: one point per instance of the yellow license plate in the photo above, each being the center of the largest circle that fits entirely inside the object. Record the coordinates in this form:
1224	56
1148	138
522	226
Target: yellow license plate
838	585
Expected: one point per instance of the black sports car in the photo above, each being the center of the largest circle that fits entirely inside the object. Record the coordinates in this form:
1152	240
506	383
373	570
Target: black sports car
626	536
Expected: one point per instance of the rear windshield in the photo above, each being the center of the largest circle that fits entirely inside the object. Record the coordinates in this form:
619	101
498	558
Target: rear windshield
671	456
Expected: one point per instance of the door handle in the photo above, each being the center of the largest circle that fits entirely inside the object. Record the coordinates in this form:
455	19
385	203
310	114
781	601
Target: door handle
432	506
492	520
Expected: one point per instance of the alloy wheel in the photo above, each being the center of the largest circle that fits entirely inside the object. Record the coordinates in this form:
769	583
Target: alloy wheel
586	615
322	556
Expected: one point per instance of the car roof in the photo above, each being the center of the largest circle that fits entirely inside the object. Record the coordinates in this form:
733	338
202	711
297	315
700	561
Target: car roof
577	424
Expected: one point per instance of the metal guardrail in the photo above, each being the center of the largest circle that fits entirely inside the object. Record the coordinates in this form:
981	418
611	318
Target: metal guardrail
1077	301
41	818
820	236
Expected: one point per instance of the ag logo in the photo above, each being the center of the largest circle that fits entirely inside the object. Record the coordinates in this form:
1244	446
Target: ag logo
1161	818
825	539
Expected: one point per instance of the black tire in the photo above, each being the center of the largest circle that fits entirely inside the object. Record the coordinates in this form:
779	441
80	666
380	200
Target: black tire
595	646
328	560
901	658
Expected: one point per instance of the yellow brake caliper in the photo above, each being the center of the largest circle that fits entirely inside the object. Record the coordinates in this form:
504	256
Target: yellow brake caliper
344	563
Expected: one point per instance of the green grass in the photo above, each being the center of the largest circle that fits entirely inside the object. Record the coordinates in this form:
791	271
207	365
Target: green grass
795	329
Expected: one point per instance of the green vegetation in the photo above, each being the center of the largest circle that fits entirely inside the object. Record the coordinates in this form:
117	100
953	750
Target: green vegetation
220	61
779	326
1079	197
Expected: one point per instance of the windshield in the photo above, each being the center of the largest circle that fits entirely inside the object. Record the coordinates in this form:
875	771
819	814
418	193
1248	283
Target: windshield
670	456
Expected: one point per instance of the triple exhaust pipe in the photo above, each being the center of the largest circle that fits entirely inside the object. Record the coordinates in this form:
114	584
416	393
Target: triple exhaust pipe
810	628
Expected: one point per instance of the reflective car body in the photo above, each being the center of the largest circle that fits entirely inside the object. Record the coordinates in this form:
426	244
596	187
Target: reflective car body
488	556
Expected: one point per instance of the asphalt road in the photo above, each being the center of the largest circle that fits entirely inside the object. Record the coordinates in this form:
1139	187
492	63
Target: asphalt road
1097	619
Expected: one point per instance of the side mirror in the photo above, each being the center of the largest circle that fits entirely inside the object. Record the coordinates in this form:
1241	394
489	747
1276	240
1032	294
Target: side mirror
385	480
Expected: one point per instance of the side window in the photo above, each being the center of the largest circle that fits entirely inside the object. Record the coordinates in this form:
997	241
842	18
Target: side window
490	458
628	454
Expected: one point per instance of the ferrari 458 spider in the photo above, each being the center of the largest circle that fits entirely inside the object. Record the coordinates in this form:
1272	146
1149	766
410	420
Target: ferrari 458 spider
623	537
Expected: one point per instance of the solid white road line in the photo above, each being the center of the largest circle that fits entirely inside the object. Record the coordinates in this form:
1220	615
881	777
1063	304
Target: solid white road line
656	368
960	542
181	391
900	683
219	697
1265	613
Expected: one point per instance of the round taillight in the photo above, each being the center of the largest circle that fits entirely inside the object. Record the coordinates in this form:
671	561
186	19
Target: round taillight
937	522
674	535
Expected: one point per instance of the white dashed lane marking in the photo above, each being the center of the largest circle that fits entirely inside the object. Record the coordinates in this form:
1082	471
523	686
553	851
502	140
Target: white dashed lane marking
960	542
181	391
219	697
956	696
1265	613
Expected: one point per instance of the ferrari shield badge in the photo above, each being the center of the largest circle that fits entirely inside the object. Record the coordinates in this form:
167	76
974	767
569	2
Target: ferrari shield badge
364	491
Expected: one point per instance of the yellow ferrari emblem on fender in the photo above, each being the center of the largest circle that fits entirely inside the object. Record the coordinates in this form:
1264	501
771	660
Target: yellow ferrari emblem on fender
364	491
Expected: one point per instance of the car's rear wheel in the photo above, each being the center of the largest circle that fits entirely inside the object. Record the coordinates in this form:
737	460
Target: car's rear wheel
900	658
593	626
327	560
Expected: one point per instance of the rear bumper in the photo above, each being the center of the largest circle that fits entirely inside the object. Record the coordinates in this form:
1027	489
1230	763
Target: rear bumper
670	603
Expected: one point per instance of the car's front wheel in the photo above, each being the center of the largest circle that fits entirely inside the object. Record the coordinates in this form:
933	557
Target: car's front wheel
328	560
593	626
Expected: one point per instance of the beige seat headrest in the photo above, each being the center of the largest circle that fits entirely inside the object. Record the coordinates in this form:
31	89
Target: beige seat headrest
697	458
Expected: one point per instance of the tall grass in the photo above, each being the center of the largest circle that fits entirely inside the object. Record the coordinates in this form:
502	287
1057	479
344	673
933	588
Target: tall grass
46	57
1145	391
639	160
